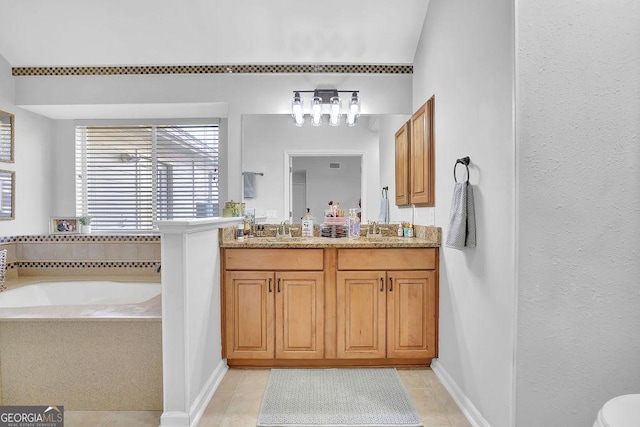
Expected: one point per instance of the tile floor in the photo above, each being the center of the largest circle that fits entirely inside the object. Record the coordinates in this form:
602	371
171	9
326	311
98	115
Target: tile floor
236	403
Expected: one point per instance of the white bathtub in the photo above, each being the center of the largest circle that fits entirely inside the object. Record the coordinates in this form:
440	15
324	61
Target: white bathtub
78	293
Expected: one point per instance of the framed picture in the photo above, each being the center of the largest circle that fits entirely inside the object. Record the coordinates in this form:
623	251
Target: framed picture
66	225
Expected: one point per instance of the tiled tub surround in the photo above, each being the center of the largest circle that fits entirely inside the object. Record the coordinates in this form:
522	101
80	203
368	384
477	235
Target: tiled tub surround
86	357
66	255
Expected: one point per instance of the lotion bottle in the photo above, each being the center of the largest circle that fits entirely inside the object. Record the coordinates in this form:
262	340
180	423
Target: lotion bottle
307	224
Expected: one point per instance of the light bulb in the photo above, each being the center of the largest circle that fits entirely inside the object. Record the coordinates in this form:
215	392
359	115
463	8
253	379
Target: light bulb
335	109
316	111
296	110
354	109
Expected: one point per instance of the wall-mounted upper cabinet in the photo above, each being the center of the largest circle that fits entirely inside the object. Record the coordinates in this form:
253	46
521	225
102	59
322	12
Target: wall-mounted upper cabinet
402	164
415	159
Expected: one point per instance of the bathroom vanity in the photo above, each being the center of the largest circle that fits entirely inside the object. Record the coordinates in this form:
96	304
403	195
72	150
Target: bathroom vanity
330	302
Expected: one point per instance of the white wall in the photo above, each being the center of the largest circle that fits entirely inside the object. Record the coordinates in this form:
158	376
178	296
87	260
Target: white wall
578	121
191	326
267	137
87	97
32	166
465	58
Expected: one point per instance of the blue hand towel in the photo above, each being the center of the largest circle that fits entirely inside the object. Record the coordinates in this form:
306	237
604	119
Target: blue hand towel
249	181
383	216
462	218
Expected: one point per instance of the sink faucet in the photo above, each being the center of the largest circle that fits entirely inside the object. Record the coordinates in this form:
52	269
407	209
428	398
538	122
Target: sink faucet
285	232
374	232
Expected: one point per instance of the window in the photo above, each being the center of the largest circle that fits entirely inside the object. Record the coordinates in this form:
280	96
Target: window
127	177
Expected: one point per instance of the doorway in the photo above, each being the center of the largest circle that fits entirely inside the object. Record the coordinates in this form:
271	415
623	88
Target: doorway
317	179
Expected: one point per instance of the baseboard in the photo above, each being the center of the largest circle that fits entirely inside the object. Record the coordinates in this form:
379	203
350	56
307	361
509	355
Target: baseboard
205	395
174	419
469	410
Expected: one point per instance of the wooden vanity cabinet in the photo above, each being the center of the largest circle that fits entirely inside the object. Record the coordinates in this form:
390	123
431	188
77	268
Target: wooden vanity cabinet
330	307
274	314
390	313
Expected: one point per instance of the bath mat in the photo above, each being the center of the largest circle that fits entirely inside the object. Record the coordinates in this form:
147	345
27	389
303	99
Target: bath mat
336	397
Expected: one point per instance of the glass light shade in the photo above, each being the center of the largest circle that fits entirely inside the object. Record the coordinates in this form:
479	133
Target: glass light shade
316	111
297	110
354	109
335	109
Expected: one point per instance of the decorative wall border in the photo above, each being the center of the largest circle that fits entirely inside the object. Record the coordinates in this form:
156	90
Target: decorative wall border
214	69
80	238
85	264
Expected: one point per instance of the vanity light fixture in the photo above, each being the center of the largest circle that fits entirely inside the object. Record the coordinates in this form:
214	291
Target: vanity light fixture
329	98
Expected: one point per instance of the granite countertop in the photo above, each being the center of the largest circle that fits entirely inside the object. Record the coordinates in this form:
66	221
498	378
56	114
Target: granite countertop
426	237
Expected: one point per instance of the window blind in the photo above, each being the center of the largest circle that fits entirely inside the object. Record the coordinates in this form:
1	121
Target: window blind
127	177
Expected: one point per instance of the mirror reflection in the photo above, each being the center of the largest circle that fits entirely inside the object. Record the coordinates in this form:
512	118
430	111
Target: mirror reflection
6	136
7	191
316	180
272	145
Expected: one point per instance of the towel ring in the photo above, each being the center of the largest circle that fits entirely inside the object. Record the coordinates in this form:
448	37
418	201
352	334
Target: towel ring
465	161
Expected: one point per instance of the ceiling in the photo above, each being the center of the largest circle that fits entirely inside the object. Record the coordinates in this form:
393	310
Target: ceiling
45	33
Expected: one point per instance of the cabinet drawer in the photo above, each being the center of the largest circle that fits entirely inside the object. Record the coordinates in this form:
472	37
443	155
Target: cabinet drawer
274	259
387	259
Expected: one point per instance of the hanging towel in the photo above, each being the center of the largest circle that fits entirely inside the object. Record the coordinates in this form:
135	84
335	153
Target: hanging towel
462	218
383	217
249	180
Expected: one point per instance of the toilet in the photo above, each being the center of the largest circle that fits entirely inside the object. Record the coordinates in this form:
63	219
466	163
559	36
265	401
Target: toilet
621	411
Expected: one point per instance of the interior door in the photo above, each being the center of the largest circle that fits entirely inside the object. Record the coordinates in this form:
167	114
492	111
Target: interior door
299	194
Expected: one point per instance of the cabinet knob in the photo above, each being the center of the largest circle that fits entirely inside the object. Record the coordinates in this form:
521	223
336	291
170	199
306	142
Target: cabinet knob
382	284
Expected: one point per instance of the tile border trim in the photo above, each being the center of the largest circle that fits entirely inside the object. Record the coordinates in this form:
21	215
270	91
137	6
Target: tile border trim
84	264
214	69
78	238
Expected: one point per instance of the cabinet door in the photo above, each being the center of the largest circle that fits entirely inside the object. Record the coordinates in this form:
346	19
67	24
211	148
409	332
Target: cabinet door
299	315
422	156
361	300
402	165
249	308
411	311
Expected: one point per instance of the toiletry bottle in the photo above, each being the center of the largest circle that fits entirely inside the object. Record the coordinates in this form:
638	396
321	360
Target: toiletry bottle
400	230
307	224
246	226
354	224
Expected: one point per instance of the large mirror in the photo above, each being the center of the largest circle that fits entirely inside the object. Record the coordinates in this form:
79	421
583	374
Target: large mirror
6	136
7	195
305	167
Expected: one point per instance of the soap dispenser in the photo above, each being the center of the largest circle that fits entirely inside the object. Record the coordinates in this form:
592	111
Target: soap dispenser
307	224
